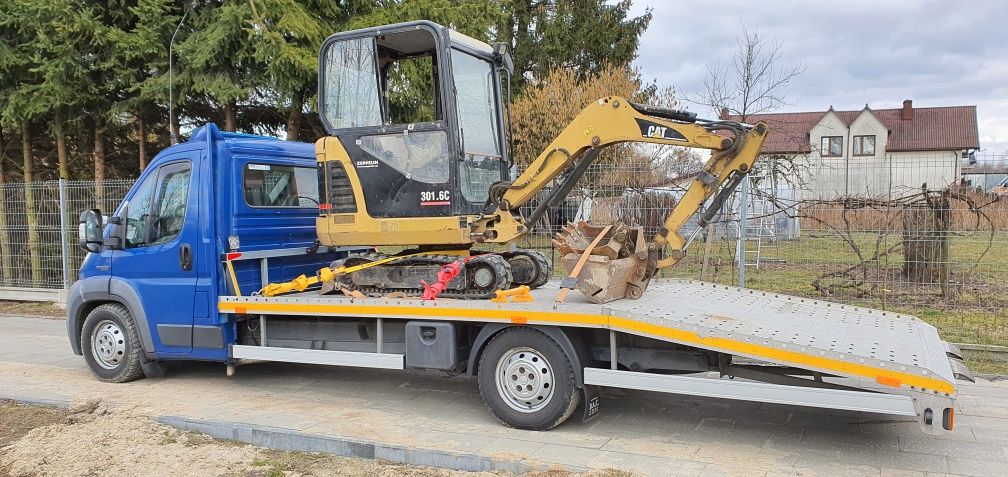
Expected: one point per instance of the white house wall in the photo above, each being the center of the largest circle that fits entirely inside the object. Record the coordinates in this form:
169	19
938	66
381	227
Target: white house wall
883	174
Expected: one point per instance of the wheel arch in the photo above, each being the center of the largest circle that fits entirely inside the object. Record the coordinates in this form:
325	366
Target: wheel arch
87	294
571	344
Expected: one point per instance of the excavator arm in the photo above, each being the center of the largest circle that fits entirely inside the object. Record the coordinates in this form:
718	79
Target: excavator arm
612	120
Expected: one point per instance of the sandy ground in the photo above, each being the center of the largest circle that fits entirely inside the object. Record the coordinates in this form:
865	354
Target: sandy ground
32	308
91	439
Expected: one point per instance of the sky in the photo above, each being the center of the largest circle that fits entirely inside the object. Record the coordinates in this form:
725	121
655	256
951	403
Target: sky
855	52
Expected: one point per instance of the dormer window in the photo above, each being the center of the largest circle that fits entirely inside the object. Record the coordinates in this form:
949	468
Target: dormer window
864	145
832	146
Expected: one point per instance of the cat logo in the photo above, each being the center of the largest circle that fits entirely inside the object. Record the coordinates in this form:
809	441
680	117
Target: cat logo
657	131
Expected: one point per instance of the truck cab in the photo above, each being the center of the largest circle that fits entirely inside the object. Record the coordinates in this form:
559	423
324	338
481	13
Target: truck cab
155	265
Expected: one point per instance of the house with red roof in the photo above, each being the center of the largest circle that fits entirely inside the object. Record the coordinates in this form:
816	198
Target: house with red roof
871	152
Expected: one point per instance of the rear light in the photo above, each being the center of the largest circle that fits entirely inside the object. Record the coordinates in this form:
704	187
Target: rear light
325	206
232	256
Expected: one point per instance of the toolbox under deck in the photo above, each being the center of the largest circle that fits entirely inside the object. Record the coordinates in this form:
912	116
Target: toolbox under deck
884	351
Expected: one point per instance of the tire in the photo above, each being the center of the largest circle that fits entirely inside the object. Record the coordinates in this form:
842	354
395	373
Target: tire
536	365
111	344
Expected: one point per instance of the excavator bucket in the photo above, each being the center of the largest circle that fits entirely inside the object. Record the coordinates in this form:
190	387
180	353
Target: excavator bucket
609	262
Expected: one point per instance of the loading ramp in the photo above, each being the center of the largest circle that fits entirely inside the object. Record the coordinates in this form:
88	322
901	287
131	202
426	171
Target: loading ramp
889	363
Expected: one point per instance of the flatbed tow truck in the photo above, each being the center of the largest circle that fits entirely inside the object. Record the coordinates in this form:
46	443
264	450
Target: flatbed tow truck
178	271
536	361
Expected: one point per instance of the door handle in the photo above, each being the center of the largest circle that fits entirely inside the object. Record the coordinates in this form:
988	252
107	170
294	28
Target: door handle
185	257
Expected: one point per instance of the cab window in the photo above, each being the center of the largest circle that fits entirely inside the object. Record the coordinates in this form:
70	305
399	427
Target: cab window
476	101
271	185
172	198
138	212
391	78
156	212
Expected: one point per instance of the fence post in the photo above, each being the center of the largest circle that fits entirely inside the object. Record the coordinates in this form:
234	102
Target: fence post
63	234
743	216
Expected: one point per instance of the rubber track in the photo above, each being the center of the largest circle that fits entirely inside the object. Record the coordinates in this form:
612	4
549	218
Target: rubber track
499	265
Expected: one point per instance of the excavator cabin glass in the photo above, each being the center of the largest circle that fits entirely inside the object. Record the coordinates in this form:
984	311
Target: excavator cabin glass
419	110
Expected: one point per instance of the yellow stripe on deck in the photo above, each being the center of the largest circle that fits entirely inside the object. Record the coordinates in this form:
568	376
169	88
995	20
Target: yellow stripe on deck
882	376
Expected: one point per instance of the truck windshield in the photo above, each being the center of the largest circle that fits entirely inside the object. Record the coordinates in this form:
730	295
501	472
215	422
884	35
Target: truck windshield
479	124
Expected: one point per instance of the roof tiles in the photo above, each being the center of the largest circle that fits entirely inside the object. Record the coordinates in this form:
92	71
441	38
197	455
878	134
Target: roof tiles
931	129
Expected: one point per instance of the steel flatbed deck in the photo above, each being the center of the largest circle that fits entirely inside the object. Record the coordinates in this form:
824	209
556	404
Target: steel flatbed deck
898	360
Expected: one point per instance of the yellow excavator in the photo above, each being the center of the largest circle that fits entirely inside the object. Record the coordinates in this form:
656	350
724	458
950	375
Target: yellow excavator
417	159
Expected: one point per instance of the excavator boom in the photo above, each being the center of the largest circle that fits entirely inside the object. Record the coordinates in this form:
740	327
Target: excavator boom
735	147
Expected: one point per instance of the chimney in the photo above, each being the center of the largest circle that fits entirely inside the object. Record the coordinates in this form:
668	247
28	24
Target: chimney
907	110
724	112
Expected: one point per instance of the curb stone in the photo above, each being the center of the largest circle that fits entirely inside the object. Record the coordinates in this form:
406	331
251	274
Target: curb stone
290	440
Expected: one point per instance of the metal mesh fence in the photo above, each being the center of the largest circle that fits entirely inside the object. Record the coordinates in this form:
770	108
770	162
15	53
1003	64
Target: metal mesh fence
35	236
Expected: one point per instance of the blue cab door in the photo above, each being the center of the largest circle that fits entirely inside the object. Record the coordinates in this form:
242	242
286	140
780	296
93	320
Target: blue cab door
159	250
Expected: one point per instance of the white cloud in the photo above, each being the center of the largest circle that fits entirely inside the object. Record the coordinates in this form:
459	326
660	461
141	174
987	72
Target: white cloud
855	52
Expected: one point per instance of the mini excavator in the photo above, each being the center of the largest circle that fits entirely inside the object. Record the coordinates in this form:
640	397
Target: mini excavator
417	159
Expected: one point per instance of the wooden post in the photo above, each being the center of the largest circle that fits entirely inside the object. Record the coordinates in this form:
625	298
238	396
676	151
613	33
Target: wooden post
926	242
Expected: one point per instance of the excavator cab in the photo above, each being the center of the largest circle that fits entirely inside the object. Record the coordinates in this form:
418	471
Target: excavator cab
419	110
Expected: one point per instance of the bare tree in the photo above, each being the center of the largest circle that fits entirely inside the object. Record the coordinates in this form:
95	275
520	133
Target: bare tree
755	80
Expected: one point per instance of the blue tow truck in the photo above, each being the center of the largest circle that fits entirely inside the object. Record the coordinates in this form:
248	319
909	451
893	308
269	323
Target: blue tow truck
172	274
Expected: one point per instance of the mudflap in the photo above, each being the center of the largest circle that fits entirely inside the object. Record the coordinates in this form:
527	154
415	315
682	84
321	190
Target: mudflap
591	402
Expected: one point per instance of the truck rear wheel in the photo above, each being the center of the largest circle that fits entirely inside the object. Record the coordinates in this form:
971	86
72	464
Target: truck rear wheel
111	344
527	381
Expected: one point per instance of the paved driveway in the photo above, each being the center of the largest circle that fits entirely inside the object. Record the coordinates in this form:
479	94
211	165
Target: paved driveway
646	433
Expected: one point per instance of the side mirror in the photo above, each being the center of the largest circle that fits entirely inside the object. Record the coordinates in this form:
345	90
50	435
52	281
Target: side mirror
89	231
502	54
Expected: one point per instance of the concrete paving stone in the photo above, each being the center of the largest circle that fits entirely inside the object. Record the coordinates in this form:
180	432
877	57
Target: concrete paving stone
997	390
835	470
960	449
506	448
977	467
981	410
806	416
457	441
613	423
653	446
981	422
715	424
848	437
785	437
889	472
895	460
721	470
990	436
746	457
634	463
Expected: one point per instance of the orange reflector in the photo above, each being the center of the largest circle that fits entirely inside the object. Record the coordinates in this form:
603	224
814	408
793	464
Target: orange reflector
887	381
948	420
232	255
240	310
519	320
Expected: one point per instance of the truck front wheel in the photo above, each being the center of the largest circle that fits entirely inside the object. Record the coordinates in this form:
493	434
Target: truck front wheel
526	380
111	344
